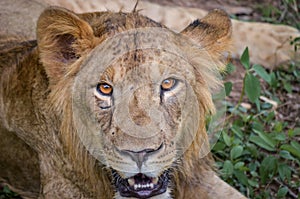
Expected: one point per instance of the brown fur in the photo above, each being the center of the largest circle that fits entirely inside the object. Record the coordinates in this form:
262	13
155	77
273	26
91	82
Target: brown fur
36	105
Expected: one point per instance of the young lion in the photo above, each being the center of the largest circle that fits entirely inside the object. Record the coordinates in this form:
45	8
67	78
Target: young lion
108	105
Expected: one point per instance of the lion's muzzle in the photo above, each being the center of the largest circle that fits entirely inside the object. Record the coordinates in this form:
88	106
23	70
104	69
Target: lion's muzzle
141	156
141	186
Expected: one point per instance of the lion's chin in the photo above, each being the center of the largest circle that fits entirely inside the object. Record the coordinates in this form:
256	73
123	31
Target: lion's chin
140	185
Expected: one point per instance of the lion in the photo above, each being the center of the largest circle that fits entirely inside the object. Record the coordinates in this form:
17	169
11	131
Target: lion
109	105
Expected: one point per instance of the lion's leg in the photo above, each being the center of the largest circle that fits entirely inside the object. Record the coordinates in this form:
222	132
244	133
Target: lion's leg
19	165
56	183
32	175
217	188
210	186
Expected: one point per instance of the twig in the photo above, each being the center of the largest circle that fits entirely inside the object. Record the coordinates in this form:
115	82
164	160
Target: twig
294	6
289	190
283	14
272	102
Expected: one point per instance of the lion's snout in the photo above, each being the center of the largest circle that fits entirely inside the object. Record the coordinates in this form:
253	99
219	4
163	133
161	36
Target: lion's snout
141	156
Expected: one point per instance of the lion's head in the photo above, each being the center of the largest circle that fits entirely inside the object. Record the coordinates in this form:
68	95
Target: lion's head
134	93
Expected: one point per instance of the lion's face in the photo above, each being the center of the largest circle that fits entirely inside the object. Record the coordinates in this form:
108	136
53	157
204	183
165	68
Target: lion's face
144	111
143	118
138	97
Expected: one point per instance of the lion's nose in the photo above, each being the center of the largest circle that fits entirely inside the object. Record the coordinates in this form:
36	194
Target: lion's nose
141	156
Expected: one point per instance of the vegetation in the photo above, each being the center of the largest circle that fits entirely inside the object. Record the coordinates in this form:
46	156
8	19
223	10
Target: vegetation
6	193
280	11
256	152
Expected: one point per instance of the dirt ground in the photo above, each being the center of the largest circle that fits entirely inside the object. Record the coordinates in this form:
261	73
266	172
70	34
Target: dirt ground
254	10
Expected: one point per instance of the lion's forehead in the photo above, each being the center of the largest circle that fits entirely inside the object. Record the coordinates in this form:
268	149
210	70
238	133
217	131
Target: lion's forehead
147	66
140	56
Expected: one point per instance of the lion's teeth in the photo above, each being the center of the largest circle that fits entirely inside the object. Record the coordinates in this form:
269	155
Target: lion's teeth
143	186
131	181
155	180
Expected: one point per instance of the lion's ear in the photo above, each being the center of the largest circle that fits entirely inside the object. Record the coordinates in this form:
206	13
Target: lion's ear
212	32
62	39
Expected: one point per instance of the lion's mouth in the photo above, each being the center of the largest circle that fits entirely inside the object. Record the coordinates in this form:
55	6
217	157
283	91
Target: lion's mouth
141	186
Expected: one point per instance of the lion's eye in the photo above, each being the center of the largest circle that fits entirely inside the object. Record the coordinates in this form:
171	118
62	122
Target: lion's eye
168	84
105	89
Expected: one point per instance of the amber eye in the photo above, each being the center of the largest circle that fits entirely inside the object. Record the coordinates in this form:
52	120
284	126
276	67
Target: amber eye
104	89
168	84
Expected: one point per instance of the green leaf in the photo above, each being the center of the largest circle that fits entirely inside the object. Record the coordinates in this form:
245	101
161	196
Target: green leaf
294	132
287	86
267	168
253	183
226	138
260	142
278	127
219	146
291	149
257	125
228	88
252	87
254	173
6	190
284	171
268	139
237	131
280	137
252	166
282	192
257	103
296	145
240	175
262	73
285	154
227	170
236	152
238	165
245	59
237	141
252	149
274	80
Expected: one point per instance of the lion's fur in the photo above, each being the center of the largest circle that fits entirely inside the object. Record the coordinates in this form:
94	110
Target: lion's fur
36	105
